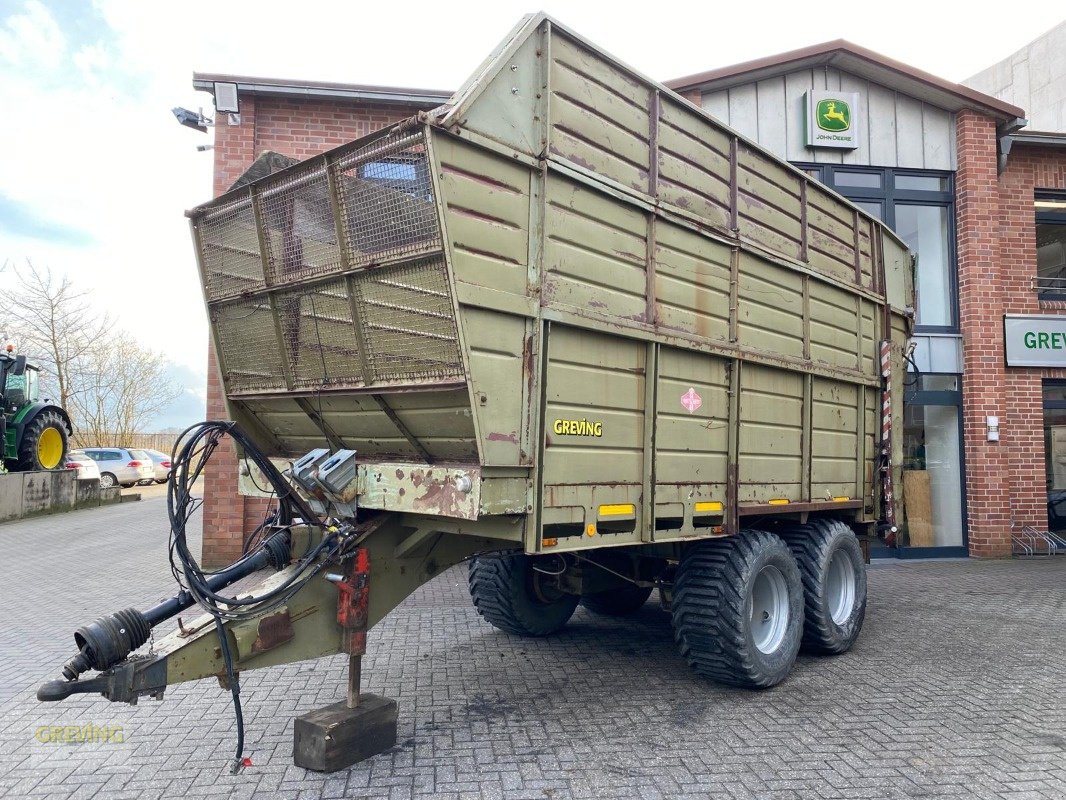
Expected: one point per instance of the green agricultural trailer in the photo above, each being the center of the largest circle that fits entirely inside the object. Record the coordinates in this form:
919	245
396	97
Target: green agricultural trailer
566	327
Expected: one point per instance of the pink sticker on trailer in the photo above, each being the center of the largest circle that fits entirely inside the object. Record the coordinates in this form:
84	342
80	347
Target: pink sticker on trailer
691	401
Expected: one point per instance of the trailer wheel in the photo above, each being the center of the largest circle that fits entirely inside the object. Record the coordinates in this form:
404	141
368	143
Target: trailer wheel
738	609
834	584
619	602
514	597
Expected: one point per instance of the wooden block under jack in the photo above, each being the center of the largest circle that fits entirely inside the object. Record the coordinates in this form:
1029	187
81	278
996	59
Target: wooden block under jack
335	737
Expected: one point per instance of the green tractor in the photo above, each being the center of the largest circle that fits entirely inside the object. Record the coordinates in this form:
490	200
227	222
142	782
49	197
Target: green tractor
34	431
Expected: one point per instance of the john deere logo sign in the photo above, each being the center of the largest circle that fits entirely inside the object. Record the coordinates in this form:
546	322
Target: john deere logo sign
831	119
834	115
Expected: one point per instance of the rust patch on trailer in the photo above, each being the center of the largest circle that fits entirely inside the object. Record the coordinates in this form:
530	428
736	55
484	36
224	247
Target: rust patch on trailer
511	437
274	630
446	498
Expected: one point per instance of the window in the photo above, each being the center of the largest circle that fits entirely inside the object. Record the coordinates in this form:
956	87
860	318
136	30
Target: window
925	230
919	206
1051	245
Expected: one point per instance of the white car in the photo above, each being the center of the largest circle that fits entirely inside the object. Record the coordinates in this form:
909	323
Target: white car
161	462
122	466
85	466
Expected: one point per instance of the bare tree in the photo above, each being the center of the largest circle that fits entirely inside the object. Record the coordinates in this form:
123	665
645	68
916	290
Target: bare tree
122	387
54	325
109	385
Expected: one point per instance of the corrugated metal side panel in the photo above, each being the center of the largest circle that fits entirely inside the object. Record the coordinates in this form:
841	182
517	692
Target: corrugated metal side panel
496	346
872	443
870	337
694	165
831	234
486	201
598	378
595	250
834	324
770	307
770	462
691	282
834	439
599	115
691	447
768	203
441	421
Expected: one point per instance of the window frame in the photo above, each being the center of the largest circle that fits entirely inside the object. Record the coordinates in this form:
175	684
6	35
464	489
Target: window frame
1048	218
888	196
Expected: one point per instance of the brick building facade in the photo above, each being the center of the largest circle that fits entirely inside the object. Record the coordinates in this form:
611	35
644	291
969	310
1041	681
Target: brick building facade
981	187
1006	481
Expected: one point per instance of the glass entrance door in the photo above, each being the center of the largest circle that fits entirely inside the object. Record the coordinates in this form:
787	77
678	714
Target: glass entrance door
1055	453
933	514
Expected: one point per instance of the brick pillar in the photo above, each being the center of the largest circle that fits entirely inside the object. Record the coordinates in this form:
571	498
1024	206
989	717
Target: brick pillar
1023	426
981	319
223	507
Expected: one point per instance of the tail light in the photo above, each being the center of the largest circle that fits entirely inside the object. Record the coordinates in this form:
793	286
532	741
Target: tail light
165	464
73	465
135	464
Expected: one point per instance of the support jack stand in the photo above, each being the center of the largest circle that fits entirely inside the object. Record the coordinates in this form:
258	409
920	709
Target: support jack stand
363	725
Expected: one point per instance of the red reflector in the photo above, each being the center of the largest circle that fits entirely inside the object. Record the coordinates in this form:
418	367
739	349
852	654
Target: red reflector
134	464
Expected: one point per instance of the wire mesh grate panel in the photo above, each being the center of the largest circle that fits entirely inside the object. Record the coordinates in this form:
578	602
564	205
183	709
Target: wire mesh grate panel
409	322
247	343
387	198
320	336
299	225
230	253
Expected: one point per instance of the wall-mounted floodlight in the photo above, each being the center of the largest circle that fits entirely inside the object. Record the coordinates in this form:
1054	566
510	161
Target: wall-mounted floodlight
226	98
192	119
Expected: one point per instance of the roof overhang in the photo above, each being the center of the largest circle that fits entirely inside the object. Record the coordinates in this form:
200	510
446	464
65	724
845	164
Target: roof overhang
858	61
319	90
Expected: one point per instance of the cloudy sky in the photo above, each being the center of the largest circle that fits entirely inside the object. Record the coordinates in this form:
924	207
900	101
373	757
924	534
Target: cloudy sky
97	173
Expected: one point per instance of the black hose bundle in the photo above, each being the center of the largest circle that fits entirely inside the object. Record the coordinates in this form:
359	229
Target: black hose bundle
192	451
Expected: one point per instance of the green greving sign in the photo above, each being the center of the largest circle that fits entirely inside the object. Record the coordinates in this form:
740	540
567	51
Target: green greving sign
832	119
1034	340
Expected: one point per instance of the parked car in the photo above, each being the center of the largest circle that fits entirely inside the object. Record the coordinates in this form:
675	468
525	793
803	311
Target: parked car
120	465
162	466
86	467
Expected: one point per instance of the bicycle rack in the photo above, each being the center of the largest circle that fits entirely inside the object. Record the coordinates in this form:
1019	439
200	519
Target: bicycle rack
1031	542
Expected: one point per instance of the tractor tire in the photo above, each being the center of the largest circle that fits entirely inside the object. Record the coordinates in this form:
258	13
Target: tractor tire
620	602
44	443
504	589
107	480
738	609
834	584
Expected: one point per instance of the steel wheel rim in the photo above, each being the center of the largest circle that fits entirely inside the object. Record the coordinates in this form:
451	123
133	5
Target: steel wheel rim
769	609
49	448
840	587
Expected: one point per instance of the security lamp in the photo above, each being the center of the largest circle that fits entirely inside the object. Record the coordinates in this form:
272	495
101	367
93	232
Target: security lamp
191	119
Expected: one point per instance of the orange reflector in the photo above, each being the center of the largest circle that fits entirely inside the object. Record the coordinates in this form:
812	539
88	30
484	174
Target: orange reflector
590	530
780	501
618	510
841	499
718	529
708	506
549	542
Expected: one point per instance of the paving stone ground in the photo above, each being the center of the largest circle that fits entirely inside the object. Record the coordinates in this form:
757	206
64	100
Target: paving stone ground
956	688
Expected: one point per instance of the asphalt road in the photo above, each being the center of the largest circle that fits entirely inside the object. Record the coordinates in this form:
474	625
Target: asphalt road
957	687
